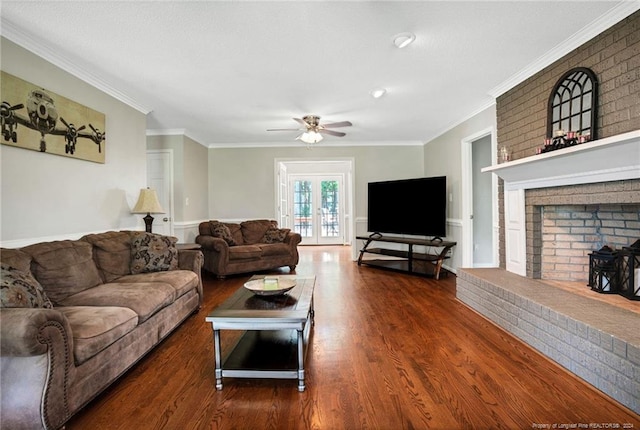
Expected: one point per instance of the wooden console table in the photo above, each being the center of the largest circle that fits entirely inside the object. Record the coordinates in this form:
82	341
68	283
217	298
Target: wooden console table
412	262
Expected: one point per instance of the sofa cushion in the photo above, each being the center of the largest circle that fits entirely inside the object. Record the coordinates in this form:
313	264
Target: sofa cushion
112	253
253	231
153	252
245	252
180	280
144	298
16	258
19	289
63	267
96	327
275	235
270	249
236	232
222	231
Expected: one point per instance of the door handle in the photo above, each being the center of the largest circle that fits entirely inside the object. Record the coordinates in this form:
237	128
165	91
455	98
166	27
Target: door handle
165	219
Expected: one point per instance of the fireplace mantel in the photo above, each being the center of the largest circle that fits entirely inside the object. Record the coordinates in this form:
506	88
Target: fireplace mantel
609	159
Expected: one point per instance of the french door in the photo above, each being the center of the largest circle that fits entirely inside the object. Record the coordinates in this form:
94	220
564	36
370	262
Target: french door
317	208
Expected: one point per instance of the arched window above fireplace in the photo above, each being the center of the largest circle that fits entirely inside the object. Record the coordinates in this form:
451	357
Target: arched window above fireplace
573	104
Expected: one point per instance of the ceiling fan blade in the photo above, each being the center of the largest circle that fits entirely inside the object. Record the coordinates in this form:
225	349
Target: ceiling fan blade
283	129
338	124
331	132
301	121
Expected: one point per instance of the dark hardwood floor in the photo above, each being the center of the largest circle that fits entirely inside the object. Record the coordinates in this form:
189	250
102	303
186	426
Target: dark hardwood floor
388	351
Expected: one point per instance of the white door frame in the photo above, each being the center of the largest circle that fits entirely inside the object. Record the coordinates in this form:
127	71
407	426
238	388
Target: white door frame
168	153
467	196
329	166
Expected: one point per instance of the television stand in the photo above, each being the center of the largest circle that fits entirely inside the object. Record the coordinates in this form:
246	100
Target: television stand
422	263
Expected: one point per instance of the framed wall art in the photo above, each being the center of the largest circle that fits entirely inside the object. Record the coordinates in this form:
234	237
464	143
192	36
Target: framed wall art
37	119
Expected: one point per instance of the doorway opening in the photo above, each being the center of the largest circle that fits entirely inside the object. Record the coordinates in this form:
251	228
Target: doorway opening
160	178
314	198
479	201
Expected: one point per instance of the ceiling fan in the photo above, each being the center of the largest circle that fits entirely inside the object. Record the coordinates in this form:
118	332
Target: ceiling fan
313	130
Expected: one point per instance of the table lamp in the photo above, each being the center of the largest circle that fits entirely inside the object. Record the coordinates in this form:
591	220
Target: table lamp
148	204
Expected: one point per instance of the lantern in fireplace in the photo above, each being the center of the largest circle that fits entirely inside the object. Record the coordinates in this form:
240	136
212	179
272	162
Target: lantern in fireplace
603	270
630	271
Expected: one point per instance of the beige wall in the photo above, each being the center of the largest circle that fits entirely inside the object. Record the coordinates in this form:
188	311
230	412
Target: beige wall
236	194
442	155
196	181
190	176
44	196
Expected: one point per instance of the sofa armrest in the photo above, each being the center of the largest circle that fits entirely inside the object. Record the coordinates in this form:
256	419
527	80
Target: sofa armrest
211	243
293	238
216	253
37	365
22	330
192	259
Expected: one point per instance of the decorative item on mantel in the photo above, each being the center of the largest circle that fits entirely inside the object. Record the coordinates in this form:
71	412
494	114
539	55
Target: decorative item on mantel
603	270
563	140
572	110
630	271
505	155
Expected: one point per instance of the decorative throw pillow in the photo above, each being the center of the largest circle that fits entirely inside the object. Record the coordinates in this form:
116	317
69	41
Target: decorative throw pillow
20	289
222	231
275	235
153	252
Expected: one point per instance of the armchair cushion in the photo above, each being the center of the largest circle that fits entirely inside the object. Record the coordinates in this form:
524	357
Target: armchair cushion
153	253
19	289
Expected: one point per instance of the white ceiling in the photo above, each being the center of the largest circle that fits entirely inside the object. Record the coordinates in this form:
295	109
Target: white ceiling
223	72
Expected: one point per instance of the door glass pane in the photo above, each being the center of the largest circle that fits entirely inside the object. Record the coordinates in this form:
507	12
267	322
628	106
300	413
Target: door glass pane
329	221
302	207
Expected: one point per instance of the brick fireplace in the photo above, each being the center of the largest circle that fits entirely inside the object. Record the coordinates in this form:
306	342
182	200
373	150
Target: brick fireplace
569	223
557	207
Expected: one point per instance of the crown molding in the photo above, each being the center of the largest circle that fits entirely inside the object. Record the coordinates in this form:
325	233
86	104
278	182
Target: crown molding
467	117
40	47
294	143
588	32
166	132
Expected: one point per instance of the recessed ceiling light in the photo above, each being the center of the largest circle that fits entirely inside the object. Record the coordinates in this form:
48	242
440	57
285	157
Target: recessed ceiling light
378	92
403	39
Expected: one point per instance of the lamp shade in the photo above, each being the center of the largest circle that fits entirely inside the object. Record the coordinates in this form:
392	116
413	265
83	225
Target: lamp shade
311	137
147	203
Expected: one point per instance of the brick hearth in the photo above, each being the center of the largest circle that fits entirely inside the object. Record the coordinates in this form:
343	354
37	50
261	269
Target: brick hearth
597	341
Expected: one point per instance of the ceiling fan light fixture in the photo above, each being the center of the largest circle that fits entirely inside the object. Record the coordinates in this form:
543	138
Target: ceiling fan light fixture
403	40
311	137
378	92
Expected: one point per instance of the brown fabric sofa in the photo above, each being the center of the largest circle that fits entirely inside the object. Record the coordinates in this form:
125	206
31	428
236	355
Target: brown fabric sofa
77	314
249	246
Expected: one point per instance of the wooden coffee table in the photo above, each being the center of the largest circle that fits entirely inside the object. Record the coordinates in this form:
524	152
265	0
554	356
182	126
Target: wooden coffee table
277	330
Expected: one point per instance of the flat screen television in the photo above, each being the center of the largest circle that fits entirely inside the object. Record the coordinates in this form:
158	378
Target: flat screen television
408	206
